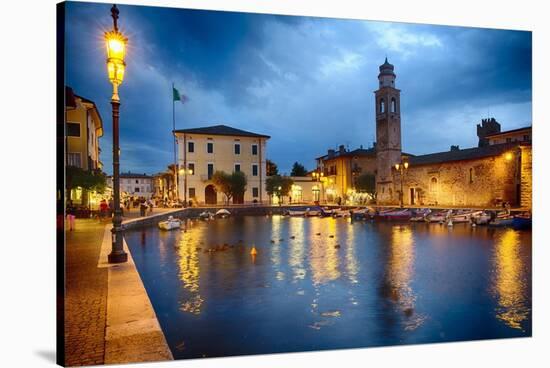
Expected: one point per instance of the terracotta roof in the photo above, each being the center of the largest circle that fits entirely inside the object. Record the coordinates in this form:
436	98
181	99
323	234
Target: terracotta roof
462	155
221	130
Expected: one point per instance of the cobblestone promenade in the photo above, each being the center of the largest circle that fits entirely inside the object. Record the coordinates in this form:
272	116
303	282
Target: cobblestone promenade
86	295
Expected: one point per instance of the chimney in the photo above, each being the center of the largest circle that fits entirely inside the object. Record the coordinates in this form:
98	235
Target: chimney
341	149
455	148
361	147
331	153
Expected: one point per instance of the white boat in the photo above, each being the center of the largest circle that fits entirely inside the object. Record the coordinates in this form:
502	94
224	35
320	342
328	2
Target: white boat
340	213
223	213
170	224
206	215
313	213
438	216
482	218
298	213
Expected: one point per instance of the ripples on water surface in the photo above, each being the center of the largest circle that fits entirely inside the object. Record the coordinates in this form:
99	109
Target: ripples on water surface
323	283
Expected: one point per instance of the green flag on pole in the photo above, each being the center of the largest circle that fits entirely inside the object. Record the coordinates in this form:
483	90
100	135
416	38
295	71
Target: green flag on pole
177	96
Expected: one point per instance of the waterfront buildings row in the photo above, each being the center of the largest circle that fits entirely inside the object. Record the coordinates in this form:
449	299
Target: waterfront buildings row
83	128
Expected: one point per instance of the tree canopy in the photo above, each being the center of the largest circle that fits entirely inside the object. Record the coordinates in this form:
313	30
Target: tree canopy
278	185
298	170
231	185
88	180
271	168
366	183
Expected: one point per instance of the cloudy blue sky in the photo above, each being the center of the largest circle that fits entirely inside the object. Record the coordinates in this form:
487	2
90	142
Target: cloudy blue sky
307	82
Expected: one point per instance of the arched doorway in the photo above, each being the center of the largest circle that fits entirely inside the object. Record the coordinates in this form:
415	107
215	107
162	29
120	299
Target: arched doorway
210	196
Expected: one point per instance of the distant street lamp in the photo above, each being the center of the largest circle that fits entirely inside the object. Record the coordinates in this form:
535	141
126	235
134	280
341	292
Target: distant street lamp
401	167
319	177
185	172
116	47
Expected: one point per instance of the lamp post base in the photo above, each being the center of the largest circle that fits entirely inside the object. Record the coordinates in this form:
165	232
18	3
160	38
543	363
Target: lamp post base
118	257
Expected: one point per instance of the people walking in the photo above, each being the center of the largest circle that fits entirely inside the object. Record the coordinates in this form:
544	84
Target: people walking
71	215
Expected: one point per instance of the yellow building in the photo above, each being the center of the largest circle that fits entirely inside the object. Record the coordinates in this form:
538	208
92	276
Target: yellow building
203	151
83	128
339	170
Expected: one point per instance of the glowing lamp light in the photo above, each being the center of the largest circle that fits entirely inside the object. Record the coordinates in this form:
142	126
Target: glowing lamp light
406	164
115	43
396	166
508	156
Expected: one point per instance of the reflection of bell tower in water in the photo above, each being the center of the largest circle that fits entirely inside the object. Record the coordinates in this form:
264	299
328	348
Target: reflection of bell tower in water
388	133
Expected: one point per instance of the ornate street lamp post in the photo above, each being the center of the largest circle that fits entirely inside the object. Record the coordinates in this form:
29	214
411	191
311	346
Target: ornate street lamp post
401	167
116	47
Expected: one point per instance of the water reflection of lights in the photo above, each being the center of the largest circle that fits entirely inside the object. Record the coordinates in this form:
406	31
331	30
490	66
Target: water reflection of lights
400	273
189	270
296	248
323	256
352	266
510	282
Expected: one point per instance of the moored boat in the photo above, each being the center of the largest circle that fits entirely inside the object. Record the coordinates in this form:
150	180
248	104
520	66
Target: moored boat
297	213
170	224
223	213
394	215
522	222
205	215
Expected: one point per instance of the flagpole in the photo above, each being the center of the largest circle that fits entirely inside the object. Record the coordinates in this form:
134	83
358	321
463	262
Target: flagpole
174	142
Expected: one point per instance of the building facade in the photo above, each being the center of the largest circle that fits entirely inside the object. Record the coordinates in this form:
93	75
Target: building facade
340	168
203	151
497	171
388	132
133	184
84	127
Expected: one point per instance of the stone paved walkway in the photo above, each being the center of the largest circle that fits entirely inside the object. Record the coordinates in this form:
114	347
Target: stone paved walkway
85	295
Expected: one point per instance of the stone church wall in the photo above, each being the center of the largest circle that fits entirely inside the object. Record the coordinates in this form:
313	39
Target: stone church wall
477	183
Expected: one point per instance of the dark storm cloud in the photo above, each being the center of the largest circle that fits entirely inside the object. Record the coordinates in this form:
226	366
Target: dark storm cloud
307	82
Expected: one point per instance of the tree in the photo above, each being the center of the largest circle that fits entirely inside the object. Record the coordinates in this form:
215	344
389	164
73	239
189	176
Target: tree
298	170
271	168
279	186
366	183
238	184
222	183
76	177
231	185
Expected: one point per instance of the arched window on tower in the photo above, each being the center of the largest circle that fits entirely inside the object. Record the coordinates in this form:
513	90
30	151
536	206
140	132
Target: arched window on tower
393	105
382	106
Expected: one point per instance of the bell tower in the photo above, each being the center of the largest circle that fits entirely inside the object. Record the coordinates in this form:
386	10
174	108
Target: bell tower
388	133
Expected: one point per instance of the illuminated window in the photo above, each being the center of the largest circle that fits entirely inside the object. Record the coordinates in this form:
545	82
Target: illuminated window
191	168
